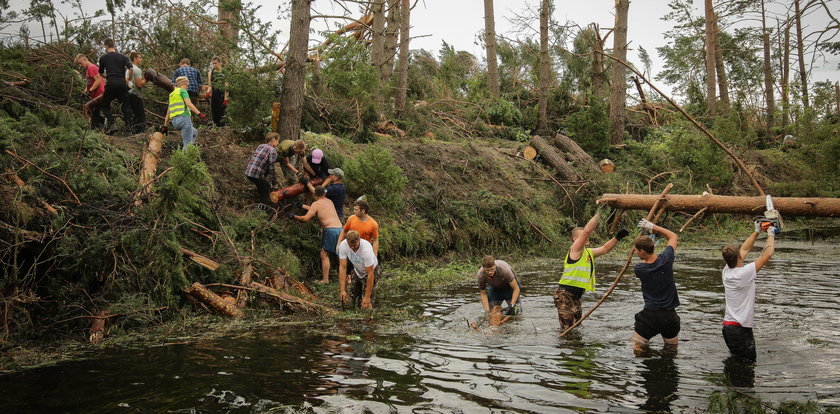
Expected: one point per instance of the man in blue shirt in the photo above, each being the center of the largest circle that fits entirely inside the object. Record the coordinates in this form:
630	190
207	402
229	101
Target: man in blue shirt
336	192
193	75
656	272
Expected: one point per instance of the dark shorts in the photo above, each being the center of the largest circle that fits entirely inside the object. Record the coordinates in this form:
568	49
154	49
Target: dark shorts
330	238
740	342
568	307
358	284
650	323
497	296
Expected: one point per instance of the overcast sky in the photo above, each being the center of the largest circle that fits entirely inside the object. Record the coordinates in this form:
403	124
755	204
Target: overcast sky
459	22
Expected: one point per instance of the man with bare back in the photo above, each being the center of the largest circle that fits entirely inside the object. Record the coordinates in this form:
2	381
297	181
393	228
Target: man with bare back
324	208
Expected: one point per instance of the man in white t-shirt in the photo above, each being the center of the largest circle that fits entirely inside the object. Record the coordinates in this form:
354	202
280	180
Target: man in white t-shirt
739	285
366	271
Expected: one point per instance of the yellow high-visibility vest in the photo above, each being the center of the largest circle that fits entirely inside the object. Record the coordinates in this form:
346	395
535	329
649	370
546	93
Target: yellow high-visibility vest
177	106
581	273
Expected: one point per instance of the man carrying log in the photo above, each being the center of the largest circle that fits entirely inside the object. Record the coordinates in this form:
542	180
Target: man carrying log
366	270
324	209
579	271
503	286
656	272
739	285
260	169
93	91
334	184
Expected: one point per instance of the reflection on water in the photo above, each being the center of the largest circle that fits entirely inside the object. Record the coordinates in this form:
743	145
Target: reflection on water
436	363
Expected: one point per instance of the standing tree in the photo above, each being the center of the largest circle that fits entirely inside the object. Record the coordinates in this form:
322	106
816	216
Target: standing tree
599	77
720	70
402	71
800	50
618	98
545	11
784	52
377	51
490	42
768	72
711	96
229	14
291	96
392	28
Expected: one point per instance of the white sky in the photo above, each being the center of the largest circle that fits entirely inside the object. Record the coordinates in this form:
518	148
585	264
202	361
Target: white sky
459	22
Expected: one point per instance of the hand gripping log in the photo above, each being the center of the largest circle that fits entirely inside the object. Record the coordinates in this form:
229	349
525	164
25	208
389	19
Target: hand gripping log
650	216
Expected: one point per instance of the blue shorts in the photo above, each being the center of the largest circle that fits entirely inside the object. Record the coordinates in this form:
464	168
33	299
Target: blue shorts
497	296
330	239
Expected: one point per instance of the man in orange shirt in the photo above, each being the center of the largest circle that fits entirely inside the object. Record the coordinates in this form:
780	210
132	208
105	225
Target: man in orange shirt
360	221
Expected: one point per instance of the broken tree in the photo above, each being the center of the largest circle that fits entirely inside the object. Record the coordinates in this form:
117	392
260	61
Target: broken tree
787	206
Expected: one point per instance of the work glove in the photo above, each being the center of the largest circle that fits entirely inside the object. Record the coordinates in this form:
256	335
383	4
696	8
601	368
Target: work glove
164	129
304	180
772	231
511	310
202	117
644	224
758	226
225	103
621	234
290	216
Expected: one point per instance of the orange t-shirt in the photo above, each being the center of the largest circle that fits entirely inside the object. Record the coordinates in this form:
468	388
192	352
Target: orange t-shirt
368	229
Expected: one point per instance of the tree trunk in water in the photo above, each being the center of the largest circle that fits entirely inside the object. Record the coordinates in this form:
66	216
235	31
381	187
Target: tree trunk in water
213	301
229	13
711	96
377	51
598	76
768	73
391	30
800	50
545	11
490	43
720	70
574	151
553	158
787	206
402	75
785	75
291	97
618	98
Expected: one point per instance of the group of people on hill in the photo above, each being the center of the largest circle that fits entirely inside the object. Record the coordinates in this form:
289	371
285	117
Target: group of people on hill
498	284
355	240
117	77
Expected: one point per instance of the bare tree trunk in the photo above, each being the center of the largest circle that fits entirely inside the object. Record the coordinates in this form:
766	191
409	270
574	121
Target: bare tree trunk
785	68
291	97
229	13
800	49
768	73
377	51
554	158
837	97
402	76
723	83
787	206
391	31
490	43
545	11
598	76
618	98
711	96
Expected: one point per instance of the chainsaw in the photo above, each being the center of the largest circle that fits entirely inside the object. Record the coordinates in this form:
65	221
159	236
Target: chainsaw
771	216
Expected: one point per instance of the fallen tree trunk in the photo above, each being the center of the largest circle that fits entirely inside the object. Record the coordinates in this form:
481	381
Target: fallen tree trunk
151	157
244	279
552	157
155	77
574	151
213	301
278	279
202	260
787	206
292	190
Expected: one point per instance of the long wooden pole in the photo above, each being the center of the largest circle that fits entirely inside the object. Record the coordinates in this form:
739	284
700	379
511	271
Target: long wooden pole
787	206
626	264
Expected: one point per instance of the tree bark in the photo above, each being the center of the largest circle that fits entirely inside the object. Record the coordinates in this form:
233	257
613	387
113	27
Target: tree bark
651	112
213	301
244	280
711	96
377	51
618	98
151	158
837	97
294	303
785	76
229	13
800	50
720	70
574	152
545	11
553	158
391	31
402	75
598	76
768	73
787	206
292	190
291	97
490	44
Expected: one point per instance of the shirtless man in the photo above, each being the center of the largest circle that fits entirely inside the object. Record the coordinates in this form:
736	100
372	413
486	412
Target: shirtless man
324	208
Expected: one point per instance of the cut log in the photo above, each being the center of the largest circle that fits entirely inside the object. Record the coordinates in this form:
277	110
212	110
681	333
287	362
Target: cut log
787	206
292	190
574	151
552	157
213	301
294	303
280	280
202	260
153	76
97	327
244	280
529	153
151	158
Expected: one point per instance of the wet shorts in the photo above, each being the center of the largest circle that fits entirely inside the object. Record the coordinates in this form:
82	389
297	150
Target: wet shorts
740	342
330	239
568	307
497	296
650	323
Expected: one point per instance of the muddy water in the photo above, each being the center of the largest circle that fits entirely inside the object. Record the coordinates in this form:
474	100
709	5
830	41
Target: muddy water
437	364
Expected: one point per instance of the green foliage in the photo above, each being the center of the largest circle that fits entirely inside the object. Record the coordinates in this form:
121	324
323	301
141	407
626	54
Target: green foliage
182	190
502	112
590	126
350	81
374	173
251	98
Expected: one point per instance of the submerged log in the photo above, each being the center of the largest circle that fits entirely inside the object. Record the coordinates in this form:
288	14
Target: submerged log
787	206
153	76
292	190
574	151
213	301
553	157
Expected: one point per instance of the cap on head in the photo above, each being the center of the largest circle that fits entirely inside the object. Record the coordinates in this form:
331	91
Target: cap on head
338	172
317	156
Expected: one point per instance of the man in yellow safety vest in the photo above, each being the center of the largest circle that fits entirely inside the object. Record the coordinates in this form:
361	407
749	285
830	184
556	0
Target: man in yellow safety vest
178	112
579	271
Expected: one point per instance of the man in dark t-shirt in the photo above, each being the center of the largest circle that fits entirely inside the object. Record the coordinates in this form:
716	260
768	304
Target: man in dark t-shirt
656	273
113	65
334	184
